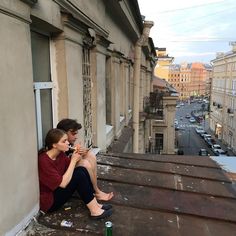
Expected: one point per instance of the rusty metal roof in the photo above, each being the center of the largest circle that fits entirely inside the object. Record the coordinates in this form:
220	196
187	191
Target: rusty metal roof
156	195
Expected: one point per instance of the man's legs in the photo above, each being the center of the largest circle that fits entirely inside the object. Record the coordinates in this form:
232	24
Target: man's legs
89	161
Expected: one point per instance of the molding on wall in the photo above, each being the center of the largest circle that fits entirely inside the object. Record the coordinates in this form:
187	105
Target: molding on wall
69	7
30	2
15	15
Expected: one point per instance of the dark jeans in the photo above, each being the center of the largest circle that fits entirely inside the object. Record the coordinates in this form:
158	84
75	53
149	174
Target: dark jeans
80	182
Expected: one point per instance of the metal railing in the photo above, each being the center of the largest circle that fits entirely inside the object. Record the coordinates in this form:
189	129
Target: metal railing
153	106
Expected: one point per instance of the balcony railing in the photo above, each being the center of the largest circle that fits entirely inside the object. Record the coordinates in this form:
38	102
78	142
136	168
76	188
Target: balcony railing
153	106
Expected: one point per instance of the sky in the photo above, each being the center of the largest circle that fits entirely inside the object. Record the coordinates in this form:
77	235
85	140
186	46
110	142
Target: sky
191	30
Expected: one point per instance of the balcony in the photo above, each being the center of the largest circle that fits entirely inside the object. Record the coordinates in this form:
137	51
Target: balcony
230	111
153	106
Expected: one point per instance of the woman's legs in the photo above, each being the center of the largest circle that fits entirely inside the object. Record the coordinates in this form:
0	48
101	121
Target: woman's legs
81	182
89	161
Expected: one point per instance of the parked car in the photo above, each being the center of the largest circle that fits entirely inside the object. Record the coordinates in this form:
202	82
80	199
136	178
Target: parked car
210	141
206	136
192	120
216	148
199	130
203	133
203	152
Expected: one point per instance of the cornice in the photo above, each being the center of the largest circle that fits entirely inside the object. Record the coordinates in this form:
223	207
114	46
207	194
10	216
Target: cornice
14	14
69	7
30	2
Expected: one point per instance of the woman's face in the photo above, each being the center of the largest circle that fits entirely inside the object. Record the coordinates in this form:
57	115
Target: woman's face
63	144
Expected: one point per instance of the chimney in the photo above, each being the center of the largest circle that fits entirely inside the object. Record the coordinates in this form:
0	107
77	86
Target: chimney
233	44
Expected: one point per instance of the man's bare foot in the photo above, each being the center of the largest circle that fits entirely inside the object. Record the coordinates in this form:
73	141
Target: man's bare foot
104	196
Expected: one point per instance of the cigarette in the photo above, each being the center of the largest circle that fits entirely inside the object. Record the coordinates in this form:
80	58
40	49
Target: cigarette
72	148
67	208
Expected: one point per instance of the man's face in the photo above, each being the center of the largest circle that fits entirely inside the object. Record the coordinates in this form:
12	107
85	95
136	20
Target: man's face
72	136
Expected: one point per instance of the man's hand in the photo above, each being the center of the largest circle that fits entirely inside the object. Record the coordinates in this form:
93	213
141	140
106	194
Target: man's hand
83	151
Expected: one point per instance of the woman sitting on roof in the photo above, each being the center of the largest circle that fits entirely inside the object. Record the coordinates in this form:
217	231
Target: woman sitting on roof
59	177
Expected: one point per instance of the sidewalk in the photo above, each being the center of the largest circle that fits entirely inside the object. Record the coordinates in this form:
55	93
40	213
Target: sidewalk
224	147
206	127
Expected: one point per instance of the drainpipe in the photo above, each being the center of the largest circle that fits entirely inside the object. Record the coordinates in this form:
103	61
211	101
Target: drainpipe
147	25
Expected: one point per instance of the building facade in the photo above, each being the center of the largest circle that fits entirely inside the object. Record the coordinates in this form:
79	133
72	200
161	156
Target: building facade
160	109
223	98
63	59
163	63
190	79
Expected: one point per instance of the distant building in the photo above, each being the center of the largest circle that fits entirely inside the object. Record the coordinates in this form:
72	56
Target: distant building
163	63
160	108
223	97
190	79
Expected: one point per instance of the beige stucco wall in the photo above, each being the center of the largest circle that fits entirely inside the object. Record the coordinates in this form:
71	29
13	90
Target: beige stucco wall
48	11
100	108
18	145
169	137
166	127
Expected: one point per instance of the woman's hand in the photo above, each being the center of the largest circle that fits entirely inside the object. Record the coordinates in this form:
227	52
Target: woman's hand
76	156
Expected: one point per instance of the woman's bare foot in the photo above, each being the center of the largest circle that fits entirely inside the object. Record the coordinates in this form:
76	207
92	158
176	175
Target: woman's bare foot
104	196
97	212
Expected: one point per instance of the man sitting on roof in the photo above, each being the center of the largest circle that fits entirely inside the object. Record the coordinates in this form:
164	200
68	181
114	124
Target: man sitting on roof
89	160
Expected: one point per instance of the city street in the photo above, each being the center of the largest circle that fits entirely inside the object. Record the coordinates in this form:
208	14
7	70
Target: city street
187	138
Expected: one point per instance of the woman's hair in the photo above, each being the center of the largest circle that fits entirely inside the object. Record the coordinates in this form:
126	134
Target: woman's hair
53	136
69	124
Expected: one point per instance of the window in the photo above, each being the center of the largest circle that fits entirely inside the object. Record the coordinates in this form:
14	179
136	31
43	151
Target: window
42	84
234	87
158	142
108	91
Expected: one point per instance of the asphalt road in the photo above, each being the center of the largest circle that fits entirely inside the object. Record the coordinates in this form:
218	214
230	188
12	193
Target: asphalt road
187	138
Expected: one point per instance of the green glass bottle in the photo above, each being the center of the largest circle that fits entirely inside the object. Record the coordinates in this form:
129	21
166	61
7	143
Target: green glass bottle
108	228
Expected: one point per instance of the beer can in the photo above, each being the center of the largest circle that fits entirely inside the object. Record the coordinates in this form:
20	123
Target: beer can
108	228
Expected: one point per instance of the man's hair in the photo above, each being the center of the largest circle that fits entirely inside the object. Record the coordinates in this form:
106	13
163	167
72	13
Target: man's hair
69	124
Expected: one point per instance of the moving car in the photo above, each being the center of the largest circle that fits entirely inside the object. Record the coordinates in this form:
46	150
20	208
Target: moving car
187	116
192	120
203	152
